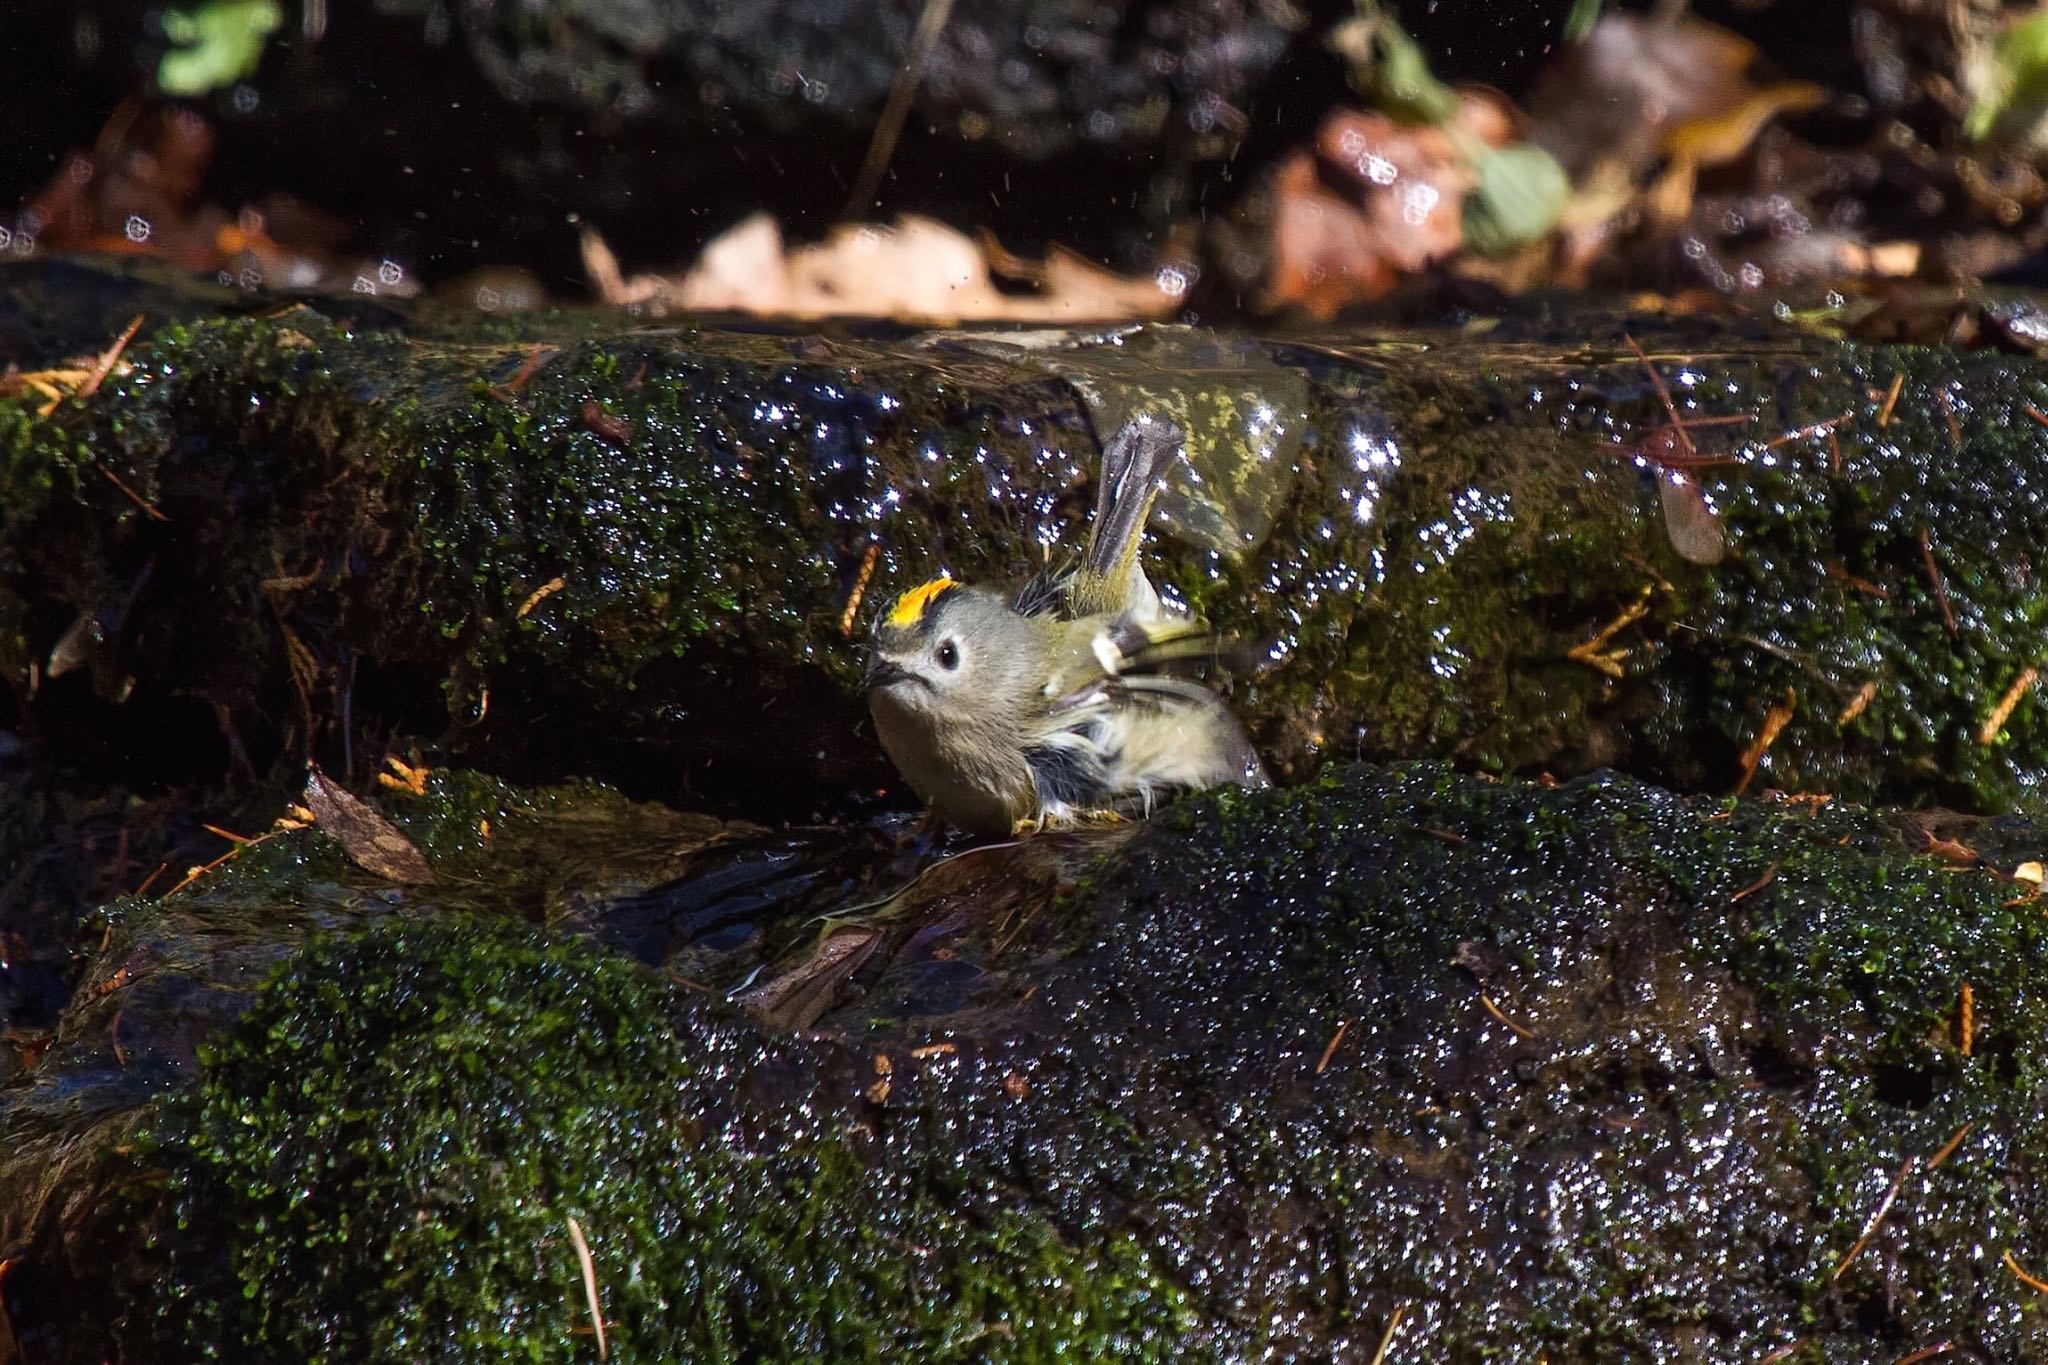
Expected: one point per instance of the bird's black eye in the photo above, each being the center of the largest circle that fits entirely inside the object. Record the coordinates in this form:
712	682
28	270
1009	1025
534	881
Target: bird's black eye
949	655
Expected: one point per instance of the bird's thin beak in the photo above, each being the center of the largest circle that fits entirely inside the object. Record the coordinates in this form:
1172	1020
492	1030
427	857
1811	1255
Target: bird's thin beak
881	672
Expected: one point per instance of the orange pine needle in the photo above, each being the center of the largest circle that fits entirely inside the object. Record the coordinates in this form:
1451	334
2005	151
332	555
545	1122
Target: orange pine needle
108	358
1858	704
1770	875
1891	400
1870	1228
1775	721
540	595
860	588
1948	618
1330	1050
1387	1337
2030	1281
1494	1010
1948	1149
1987	734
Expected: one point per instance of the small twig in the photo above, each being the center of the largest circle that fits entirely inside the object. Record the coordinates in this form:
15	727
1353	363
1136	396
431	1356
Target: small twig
1330	1049
1594	652
1663	396
606	427
1826	428
1387	1337
151	510
1494	1010
1939	1348
235	851
1891	400
1948	1149
1870	1228
931	22
589	1282
1966	1023
1987	733
1862	585
1948	618
2035	413
1782	1352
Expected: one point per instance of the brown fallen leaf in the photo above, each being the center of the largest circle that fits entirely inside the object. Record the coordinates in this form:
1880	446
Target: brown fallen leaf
1375	201
800	996
917	270
1949	850
1639	88
140	191
371	842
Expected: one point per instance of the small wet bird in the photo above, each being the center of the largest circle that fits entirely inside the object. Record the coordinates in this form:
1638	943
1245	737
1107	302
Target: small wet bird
1067	701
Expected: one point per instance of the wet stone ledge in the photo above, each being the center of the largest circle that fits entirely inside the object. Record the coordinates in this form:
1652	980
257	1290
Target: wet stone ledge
649	556
1588	1071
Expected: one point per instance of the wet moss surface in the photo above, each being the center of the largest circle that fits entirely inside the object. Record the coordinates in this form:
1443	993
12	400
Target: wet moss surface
421	530
538	1099
1591	1072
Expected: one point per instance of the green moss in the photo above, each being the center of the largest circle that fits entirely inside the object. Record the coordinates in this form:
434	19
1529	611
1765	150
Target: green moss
1240	1093
669	526
385	1154
1710	1081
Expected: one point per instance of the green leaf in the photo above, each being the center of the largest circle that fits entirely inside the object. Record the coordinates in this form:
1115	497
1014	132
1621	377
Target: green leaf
218	44
2010	81
1520	195
1579	21
1389	68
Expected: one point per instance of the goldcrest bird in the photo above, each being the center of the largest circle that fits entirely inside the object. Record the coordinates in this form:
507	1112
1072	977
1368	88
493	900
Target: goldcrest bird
1063	702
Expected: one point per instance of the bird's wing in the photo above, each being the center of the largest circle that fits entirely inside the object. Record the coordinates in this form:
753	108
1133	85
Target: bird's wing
1134	465
1129	646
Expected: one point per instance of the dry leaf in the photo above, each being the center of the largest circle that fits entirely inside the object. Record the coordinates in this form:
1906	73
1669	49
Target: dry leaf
1641	88
1376	201
1950	850
918	270
371	842
800	996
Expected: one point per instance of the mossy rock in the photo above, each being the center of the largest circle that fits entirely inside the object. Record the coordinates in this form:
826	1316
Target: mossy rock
673	539
1588	1072
394	1153
1591	1072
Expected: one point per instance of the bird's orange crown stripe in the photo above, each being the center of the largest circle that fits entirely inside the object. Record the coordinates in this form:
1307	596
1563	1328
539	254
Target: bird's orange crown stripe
911	607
